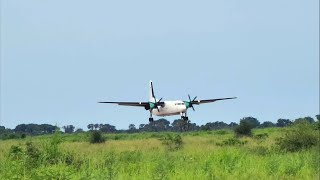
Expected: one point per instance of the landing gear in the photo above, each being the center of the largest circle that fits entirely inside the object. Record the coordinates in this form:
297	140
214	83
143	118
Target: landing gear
185	118
186	121
151	118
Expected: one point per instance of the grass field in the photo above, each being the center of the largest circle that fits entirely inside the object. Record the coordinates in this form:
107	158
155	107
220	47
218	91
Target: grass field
202	155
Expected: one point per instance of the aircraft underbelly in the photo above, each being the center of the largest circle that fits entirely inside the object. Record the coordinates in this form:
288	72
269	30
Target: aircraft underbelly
169	110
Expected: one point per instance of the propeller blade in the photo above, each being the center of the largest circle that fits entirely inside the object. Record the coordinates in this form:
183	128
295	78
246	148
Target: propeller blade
158	109
160	100
152	90
194	98
189	97
193	108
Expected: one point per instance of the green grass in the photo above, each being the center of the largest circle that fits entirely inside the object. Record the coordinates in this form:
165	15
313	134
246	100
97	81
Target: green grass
144	156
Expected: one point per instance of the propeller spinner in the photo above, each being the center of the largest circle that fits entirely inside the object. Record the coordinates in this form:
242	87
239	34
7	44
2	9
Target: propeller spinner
189	103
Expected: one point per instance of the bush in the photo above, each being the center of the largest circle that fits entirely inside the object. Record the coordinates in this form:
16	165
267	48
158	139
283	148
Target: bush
33	155
172	143
298	137
221	132
231	142
96	137
262	136
15	152
244	129
23	136
51	150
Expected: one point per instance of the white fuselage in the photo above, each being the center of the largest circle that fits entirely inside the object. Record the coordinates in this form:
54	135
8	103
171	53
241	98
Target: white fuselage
170	108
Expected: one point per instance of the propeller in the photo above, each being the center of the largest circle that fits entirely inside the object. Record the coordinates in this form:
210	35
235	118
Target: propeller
155	104
189	103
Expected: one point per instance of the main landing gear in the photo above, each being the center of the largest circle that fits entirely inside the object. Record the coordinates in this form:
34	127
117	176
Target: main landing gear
184	116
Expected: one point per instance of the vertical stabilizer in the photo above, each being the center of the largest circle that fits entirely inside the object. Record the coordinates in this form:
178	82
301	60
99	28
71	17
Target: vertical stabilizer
151	92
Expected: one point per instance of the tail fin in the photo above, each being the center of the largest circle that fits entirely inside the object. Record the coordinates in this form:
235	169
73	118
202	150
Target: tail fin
151	92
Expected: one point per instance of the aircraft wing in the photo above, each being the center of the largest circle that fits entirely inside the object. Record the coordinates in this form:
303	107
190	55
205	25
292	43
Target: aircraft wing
141	104
198	102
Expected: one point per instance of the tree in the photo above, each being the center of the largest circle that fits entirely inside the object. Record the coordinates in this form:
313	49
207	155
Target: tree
22	128
305	119
148	127
132	128
283	122
47	128
96	126
253	122
267	124
178	125
141	126
244	129
96	137
193	127
90	127
205	127
79	130
162	124
107	128
233	124
318	122
68	129
100	126
215	125
5	133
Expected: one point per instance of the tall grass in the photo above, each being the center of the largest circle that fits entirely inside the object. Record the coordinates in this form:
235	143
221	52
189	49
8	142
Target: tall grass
145	156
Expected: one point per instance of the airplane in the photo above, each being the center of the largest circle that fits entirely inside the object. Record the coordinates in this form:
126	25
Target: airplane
167	108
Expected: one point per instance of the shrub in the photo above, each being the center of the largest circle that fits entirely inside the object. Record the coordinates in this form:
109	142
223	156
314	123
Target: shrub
262	136
52	152
23	136
298	137
231	142
317	125
172	143
15	152
33	155
221	132
71	159
96	137
244	129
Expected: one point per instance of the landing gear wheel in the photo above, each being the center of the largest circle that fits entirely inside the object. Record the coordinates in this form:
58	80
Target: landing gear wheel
185	118
151	119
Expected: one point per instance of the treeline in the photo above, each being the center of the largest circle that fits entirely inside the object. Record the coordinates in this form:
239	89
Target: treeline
178	125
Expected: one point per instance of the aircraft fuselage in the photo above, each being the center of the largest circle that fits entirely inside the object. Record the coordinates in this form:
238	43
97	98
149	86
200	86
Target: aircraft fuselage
170	108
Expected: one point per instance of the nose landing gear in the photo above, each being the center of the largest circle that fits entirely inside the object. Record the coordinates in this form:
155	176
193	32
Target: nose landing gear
151	118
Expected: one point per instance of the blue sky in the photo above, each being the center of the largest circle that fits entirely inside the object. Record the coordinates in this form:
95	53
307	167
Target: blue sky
59	58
